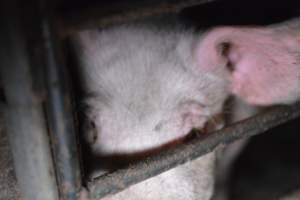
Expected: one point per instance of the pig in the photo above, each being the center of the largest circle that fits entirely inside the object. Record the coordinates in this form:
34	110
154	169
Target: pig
146	88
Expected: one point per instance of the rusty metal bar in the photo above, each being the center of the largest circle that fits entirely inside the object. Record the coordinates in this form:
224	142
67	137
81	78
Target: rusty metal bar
154	165
60	116
24	116
34	79
97	16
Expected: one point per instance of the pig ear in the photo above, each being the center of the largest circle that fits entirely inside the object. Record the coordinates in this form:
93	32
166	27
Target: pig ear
227	46
256	58
212	52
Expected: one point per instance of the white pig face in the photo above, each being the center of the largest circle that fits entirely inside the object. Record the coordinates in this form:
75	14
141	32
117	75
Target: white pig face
149	87
146	88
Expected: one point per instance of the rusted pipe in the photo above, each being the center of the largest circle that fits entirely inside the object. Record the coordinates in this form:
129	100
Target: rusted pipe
61	121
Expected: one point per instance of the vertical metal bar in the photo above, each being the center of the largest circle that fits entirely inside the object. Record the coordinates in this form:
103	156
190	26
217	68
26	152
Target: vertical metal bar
60	117
24	114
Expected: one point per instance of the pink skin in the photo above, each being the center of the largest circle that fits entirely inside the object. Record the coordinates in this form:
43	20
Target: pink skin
265	62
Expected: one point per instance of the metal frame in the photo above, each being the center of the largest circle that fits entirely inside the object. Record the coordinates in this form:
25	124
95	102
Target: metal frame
24	114
35	89
61	122
38	111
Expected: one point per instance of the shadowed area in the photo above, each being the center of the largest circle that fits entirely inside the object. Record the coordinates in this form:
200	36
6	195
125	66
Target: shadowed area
8	187
269	166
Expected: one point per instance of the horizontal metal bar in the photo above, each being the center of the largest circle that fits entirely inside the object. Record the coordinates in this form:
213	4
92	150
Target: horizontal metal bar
97	16
154	165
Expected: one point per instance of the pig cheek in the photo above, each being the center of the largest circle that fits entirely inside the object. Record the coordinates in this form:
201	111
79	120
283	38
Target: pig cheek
240	86
271	84
251	84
